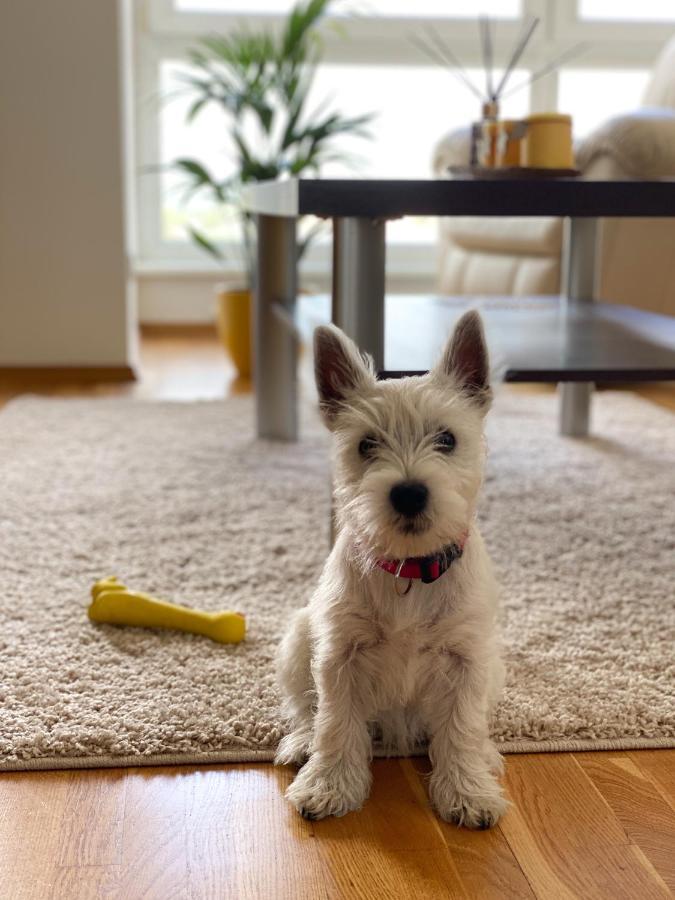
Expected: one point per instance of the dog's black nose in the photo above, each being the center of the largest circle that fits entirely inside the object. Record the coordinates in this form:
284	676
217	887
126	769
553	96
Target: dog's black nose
409	497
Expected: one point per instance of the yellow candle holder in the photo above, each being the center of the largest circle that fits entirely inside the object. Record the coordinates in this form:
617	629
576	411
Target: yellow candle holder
548	141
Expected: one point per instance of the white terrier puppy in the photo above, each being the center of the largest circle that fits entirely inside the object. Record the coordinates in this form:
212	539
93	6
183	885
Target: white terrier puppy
399	641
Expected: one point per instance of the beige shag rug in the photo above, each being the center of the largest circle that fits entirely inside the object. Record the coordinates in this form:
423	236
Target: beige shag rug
179	499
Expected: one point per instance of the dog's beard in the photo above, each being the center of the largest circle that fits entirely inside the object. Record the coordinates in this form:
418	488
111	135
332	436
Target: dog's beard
383	533
415	526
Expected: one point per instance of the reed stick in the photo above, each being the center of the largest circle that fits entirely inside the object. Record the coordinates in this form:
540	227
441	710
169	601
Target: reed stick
521	43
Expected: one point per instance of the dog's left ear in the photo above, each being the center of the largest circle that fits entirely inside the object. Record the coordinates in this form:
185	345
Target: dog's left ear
340	370
465	359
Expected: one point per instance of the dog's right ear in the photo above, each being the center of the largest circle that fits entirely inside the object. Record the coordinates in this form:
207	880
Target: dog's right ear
339	369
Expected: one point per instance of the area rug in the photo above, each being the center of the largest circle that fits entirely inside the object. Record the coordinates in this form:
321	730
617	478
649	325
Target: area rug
180	500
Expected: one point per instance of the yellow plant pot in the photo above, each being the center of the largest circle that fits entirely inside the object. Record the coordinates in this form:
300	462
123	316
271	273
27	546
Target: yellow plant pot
234	327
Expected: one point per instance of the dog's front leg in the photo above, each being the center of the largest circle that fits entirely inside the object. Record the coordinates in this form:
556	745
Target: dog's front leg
336	778
462	787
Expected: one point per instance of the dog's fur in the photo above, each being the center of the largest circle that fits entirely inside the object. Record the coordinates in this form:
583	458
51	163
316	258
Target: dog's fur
361	659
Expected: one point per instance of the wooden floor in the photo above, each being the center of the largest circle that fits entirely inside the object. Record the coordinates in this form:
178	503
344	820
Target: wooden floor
594	825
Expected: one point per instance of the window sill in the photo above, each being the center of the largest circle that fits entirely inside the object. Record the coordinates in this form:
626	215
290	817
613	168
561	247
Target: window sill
403	260
182	268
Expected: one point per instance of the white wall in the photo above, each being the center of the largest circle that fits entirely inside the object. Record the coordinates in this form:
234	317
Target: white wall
64	297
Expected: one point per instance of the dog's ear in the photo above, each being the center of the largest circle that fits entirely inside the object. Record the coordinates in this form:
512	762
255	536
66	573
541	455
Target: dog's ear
339	369
465	359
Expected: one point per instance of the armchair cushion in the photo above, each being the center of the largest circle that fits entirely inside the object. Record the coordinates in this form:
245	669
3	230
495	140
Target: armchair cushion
534	237
452	150
641	144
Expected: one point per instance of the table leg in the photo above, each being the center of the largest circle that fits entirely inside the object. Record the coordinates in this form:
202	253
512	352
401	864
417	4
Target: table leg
358	289
579	286
275	338
358	283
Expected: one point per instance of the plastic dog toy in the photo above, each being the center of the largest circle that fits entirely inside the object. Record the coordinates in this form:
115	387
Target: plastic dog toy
115	604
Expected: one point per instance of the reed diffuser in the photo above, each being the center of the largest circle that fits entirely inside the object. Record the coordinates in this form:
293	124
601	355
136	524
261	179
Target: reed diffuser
490	136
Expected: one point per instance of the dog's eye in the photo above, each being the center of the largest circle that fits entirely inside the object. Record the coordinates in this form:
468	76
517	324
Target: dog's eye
367	446
445	441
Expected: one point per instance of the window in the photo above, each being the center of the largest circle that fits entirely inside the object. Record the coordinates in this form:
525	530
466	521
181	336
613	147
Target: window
404	8
414	106
628	10
594	95
371	64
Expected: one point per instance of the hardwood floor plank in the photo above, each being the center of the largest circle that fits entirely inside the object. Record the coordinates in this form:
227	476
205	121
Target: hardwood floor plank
484	861
393	818
40	884
20	881
647	819
54	824
537	782
154	859
369	872
659	766
90	832
243	796
250	866
85	883
393	847
244	840
155	792
486	864
31	809
566	837
618	873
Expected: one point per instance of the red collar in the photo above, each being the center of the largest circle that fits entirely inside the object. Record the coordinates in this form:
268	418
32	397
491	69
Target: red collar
426	568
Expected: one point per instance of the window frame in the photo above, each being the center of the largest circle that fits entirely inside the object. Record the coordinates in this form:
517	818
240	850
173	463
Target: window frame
161	32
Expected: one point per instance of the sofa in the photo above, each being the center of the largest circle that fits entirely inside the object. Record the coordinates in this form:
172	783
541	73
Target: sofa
506	256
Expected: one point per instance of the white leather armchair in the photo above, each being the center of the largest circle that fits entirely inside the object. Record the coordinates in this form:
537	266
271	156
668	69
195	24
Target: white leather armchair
523	256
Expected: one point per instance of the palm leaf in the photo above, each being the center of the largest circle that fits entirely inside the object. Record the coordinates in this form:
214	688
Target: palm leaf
202	241
263	81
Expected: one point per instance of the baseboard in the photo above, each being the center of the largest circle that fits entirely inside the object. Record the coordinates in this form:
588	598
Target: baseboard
178	329
67	374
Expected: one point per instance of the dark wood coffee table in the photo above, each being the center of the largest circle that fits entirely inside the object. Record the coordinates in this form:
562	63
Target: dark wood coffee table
571	340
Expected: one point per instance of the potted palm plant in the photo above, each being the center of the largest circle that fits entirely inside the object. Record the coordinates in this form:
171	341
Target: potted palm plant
262	83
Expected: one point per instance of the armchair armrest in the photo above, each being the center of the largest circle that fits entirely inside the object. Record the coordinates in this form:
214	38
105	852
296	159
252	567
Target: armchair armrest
452	150
640	145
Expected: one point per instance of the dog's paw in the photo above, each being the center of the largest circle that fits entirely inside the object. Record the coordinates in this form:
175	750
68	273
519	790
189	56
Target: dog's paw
479	807
293	749
493	758
320	790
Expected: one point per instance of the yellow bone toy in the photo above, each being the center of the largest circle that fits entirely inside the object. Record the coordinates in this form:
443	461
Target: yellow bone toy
114	603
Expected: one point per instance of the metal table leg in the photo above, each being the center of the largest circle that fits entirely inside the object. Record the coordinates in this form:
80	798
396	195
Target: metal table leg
275	338
579	273
358	283
358	288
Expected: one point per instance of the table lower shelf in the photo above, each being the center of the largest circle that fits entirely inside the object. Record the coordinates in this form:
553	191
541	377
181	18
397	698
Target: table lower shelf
533	339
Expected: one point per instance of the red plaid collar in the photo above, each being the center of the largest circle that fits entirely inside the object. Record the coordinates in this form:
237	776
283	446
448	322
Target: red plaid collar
426	568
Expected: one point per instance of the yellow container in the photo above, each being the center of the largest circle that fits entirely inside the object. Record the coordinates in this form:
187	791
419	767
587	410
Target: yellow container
548	141
487	144
233	315
500	143
510	134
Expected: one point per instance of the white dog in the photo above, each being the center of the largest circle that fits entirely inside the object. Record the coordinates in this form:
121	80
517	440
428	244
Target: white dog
399	640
